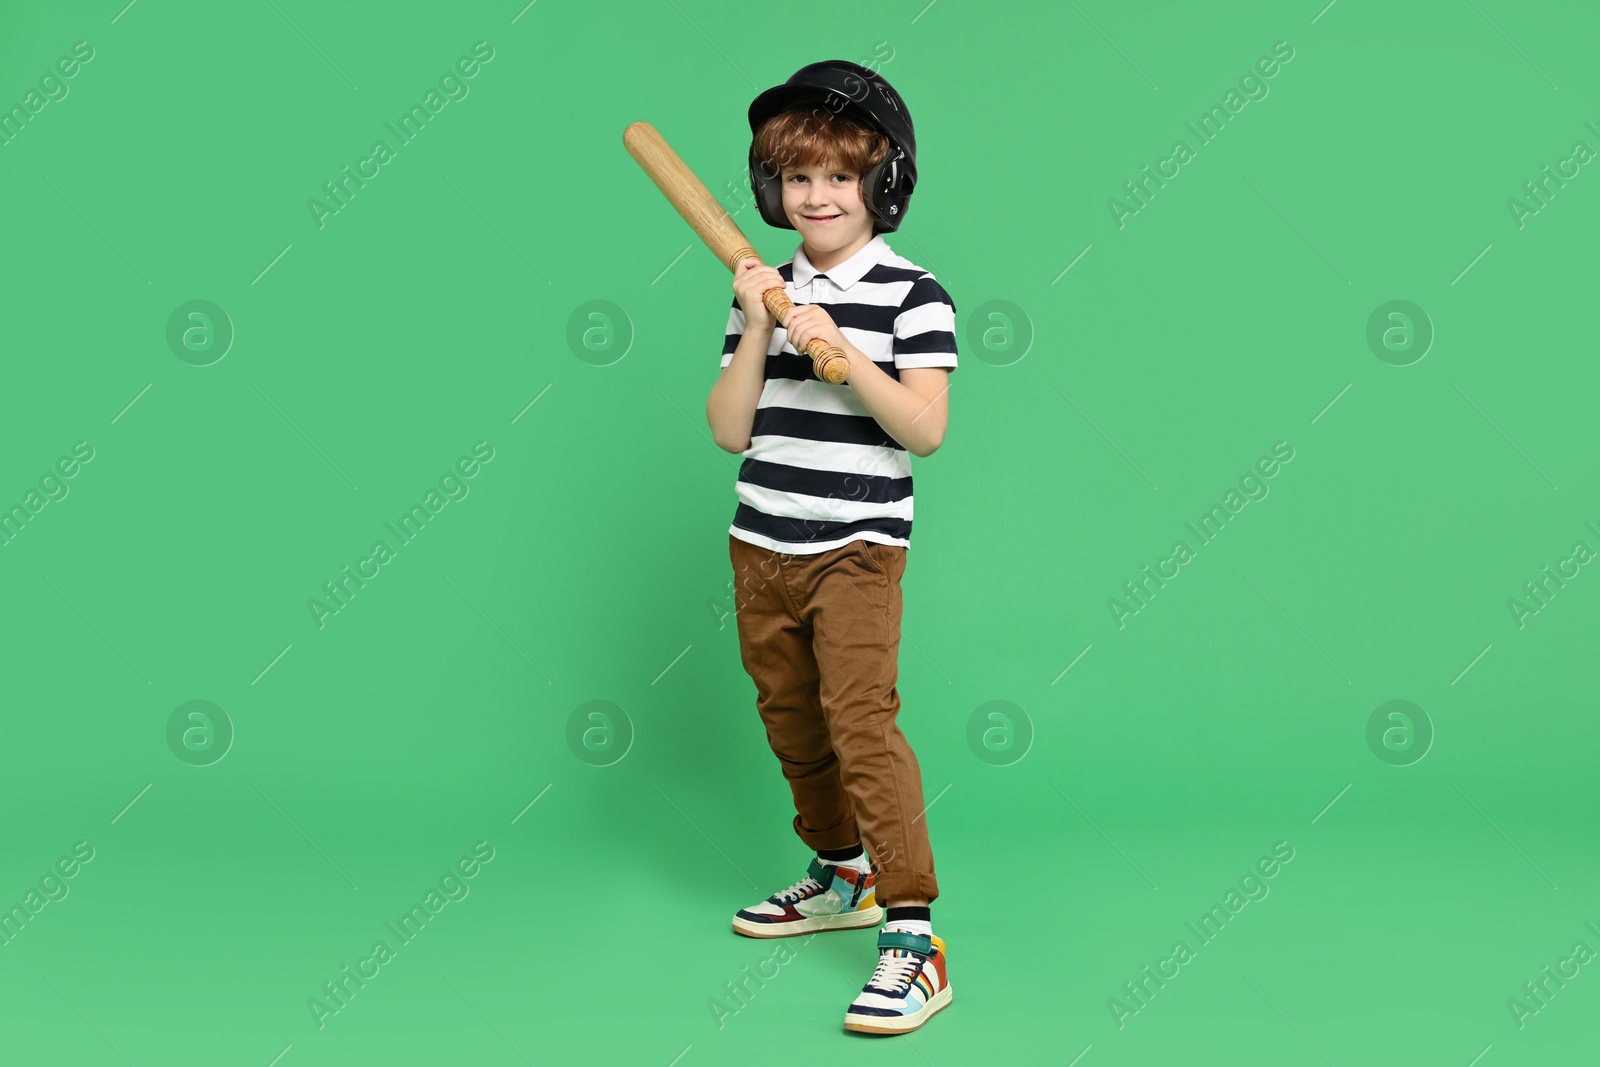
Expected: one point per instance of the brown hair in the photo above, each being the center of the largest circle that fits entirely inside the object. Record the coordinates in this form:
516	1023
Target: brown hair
803	137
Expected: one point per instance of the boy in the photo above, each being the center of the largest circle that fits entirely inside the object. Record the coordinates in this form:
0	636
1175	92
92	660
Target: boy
819	540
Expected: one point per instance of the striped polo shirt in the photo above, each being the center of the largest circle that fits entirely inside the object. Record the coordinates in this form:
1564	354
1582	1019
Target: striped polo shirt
820	472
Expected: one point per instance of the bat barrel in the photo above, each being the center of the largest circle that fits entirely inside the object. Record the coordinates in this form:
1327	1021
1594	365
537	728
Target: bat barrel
687	194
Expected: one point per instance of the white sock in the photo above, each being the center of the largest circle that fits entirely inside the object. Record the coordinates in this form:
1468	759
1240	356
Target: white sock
911	926
860	863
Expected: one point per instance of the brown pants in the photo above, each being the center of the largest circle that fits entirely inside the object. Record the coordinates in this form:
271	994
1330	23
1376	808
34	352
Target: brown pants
819	635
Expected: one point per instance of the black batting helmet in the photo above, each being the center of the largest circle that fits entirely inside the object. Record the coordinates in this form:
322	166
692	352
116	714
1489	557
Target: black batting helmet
838	85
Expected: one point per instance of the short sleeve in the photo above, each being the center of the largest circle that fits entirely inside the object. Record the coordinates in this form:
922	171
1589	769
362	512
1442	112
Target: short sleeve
730	341
925	328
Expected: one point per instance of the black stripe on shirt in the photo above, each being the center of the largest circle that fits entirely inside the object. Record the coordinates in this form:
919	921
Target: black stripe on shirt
825	485
821	426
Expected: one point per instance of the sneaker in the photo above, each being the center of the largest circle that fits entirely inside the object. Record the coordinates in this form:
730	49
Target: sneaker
829	897
908	986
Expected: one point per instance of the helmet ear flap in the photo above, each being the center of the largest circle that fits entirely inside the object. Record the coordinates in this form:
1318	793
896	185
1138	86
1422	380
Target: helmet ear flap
873	184
880	184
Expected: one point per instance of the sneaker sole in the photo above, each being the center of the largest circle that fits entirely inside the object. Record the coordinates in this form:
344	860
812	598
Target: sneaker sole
886	1024
849	920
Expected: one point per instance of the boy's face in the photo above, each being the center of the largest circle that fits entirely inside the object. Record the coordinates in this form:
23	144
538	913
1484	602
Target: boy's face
824	204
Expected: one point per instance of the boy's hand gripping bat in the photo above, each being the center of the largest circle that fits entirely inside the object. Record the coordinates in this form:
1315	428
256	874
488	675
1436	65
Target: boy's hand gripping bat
717	229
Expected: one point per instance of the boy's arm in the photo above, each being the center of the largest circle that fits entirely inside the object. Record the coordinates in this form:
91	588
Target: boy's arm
731	408
914	411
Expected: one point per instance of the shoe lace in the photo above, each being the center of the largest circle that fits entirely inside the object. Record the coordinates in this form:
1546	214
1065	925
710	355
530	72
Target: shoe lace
803	887
894	972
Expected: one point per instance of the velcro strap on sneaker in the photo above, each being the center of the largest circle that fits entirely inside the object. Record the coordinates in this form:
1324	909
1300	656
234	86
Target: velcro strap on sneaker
824	873
920	943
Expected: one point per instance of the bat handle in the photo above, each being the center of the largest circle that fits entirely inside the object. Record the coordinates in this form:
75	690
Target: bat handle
830	363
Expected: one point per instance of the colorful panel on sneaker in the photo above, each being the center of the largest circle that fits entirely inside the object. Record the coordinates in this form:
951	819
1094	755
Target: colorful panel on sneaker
909	985
829	897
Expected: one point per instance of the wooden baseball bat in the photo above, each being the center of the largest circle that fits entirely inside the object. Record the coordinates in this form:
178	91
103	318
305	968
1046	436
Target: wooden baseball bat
716	228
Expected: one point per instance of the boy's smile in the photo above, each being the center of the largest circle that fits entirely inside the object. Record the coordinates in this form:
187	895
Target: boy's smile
824	204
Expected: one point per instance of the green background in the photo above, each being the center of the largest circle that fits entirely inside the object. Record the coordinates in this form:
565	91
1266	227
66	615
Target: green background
1097	410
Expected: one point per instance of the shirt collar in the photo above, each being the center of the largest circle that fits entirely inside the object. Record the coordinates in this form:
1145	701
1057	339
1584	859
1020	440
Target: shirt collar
847	273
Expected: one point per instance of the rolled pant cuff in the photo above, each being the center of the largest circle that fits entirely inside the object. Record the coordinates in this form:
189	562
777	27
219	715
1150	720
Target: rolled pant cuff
835	837
903	885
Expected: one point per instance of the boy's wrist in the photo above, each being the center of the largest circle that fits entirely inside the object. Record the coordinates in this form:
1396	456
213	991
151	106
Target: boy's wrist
860	362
